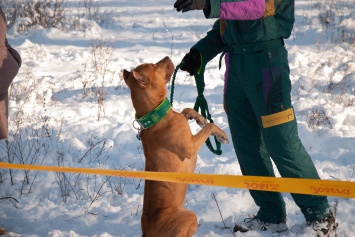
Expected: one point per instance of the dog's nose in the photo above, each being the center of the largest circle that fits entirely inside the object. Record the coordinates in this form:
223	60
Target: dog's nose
164	60
167	61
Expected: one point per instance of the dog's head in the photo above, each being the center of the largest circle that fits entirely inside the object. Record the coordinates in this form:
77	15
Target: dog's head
149	75
147	84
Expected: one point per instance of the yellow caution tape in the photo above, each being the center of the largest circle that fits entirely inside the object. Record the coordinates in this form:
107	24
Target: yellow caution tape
289	185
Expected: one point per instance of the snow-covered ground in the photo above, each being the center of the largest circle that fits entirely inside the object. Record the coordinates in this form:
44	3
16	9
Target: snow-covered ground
69	106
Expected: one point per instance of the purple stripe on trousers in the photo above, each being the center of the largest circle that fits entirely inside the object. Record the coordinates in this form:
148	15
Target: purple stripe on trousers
268	80
244	10
267	83
226	74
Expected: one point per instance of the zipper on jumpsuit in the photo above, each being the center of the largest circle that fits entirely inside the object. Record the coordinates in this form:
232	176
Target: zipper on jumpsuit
270	67
268	52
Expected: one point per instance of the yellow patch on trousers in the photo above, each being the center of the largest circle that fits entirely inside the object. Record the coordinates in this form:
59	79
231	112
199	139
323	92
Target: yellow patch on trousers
278	118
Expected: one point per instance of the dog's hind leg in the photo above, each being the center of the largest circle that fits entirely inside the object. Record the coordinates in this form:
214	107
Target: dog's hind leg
172	222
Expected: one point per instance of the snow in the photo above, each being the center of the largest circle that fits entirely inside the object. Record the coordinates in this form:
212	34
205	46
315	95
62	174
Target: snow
55	119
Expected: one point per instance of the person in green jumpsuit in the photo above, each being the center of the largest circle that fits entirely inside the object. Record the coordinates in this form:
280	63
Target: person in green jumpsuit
257	98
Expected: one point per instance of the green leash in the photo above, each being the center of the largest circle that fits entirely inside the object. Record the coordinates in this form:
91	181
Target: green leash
200	104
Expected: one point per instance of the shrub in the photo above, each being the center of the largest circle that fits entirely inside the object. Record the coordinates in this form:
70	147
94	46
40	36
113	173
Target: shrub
27	13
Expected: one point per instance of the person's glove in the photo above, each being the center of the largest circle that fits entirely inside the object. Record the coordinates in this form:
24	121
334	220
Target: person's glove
191	61
187	5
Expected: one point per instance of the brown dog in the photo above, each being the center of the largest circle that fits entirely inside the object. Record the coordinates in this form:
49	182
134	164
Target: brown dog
169	146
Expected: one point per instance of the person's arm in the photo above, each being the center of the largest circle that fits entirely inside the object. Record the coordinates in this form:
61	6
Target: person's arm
211	44
285	18
204	50
235	10
14	53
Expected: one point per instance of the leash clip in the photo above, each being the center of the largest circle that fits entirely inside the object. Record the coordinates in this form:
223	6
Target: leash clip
139	128
140	125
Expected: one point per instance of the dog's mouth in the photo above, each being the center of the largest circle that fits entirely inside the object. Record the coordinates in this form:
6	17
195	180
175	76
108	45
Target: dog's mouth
169	66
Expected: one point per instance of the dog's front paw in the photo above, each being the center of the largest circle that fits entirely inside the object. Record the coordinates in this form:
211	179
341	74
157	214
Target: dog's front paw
222	139
201	121
221	136
192	114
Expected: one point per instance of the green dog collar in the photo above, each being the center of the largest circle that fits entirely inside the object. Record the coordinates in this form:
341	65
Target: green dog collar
154	116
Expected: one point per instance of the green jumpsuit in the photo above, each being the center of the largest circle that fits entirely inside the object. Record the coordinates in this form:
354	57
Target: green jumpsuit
257	99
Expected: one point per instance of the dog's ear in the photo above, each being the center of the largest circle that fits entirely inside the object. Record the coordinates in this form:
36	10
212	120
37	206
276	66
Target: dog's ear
140	78
125	74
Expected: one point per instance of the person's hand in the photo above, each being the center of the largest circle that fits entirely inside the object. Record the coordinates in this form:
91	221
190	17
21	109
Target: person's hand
191	61
187	5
